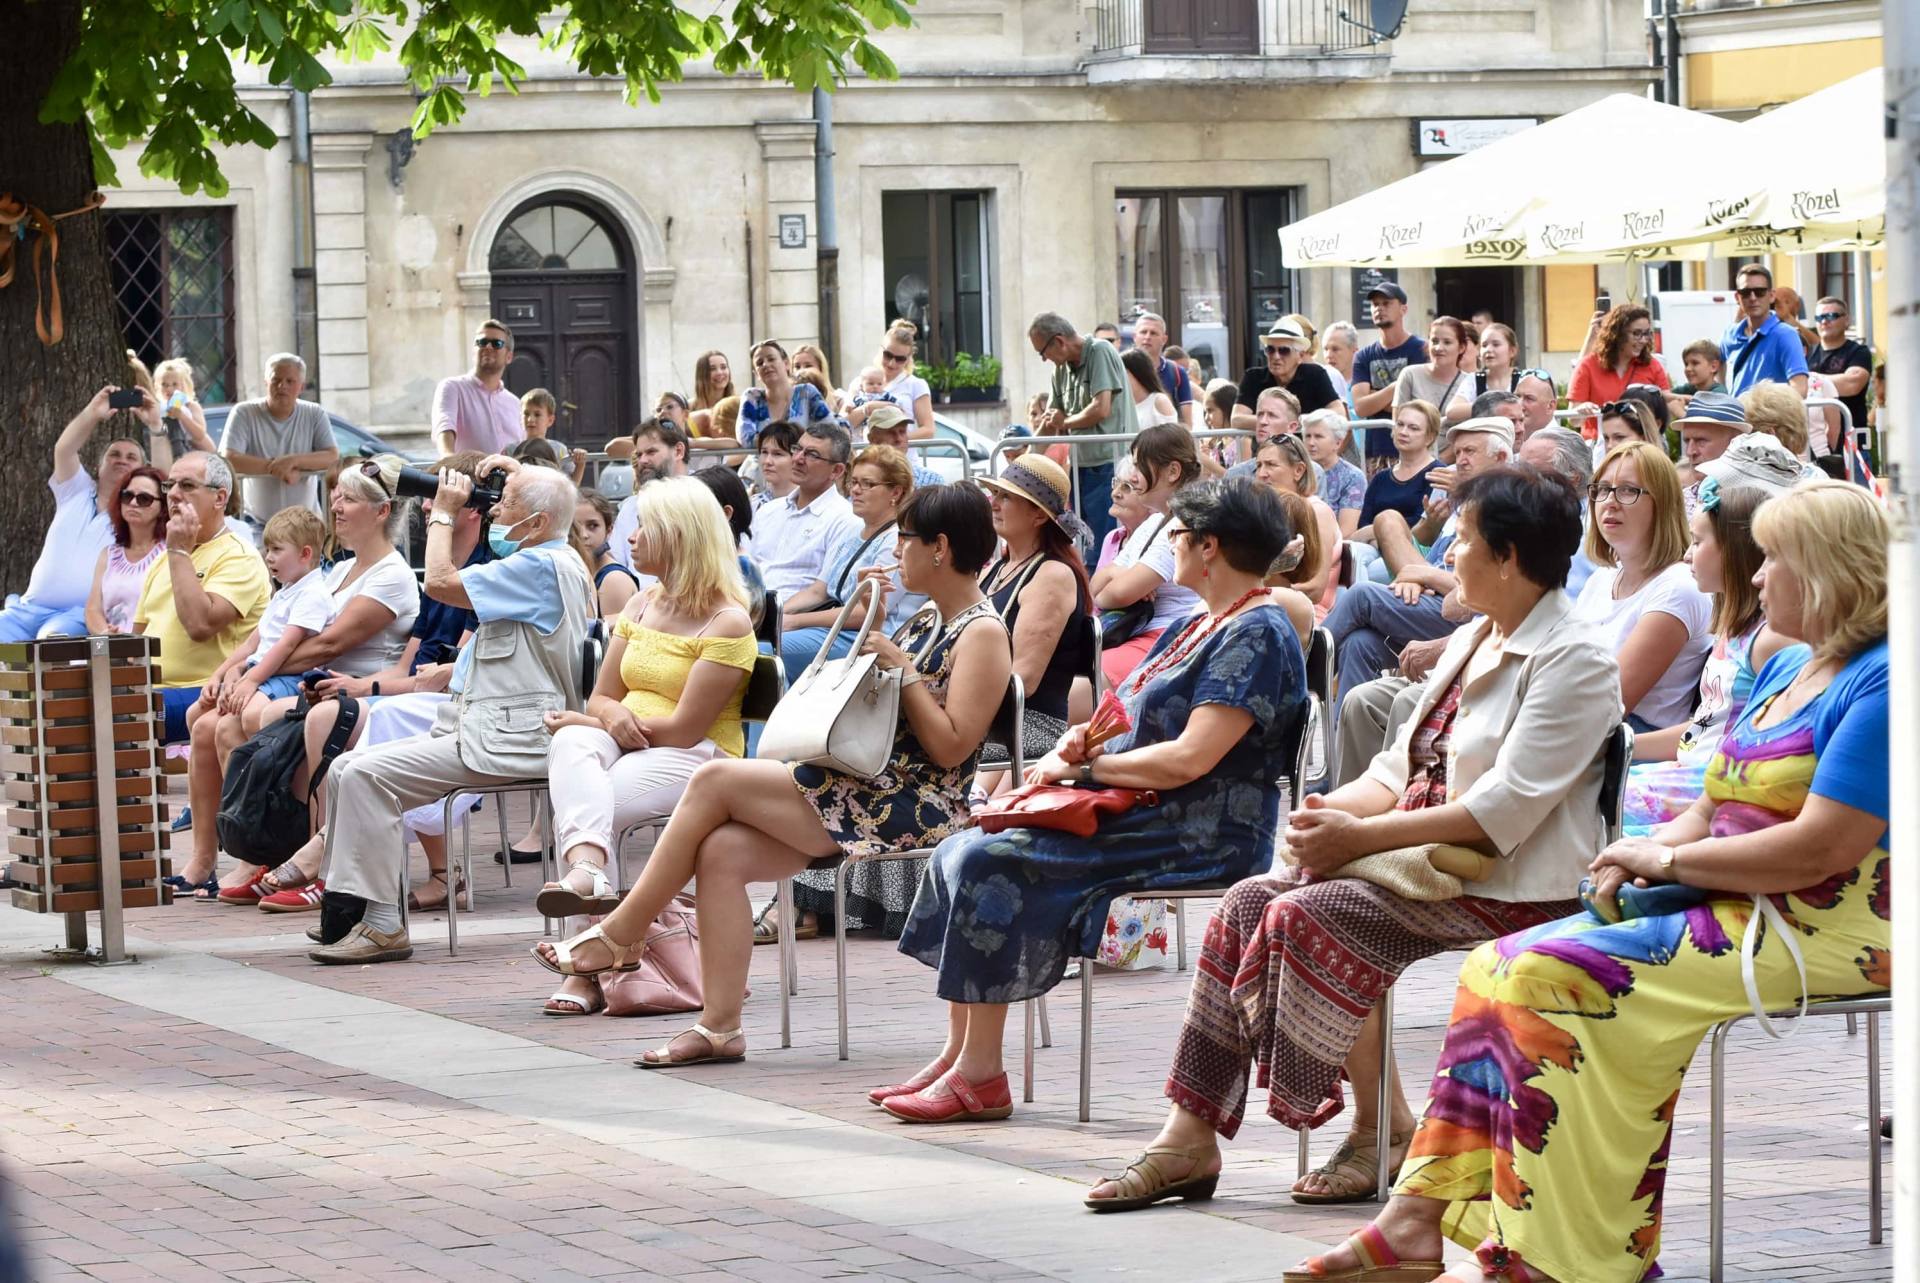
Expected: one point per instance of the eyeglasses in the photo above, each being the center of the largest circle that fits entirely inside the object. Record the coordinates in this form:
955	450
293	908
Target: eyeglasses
185	487
1175	532
1824	317
895	358
484	340
139	498
1640	334
1600	492
811	455
1754	291
861	483
903	533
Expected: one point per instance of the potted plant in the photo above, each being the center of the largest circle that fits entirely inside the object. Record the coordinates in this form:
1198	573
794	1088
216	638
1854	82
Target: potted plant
974	380
939	377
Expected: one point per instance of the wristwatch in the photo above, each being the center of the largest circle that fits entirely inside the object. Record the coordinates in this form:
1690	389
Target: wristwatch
1086	772
440	519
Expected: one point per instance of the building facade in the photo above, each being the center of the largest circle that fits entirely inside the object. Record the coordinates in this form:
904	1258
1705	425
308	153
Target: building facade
1092	159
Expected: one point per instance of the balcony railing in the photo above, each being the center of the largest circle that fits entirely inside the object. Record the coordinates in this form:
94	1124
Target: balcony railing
1210	28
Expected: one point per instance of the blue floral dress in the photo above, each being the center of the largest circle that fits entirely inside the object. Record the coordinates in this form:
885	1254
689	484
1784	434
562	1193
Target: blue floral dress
1000	914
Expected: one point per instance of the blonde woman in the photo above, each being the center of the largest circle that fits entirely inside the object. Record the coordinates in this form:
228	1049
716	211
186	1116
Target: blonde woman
667	700
903	387
810	360
1630	420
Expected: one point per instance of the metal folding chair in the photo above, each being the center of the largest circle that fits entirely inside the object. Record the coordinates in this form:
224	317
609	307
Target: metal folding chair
499	792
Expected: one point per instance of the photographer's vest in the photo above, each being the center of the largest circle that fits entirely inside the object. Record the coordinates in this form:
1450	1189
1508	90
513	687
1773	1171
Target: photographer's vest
519	675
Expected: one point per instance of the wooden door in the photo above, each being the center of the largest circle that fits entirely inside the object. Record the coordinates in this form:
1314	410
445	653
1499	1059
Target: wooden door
1202	26
572	337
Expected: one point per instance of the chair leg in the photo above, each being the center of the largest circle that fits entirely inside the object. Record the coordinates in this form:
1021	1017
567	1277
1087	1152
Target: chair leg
1086	1039
839	949
506	838
1026	1071
1853	1024
1383	1121
784	966
1716	1153
1046	1025
791	947
1301	1165
1873	1126
549	853
1179	934
453	910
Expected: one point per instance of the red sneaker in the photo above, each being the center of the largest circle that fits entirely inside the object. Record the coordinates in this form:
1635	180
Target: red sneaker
968	1103
304	899
247	892
925	1078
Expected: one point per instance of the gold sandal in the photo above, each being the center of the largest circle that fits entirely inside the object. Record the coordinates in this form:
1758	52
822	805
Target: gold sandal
713	1056
1360	1163
626	957
1143	1184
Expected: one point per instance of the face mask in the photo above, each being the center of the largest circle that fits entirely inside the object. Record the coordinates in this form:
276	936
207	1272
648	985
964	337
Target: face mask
501	540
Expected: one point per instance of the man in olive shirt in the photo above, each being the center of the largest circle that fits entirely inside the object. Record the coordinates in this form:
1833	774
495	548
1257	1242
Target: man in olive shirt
1090	397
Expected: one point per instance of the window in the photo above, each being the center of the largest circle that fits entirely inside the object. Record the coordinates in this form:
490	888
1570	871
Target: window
1835	275
935	252
551	238
1202	26
172	272
1209	262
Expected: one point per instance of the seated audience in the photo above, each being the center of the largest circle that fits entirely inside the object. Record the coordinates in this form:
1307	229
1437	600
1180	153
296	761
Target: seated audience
1513	772
659	449
1626	420
1776	409
756	820
1343	487
887	425
1294	566
1275	413
613	584
1642	601
1126	510
1795	812
138	513
1283	465
712	383
1538	400
1165	460
533	605
667	699
55	602
1404	485
1212	714
731	494
792	535
779	397
1711	422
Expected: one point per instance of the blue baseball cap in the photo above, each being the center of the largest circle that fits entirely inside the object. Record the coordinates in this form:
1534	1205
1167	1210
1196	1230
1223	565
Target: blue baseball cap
1717	408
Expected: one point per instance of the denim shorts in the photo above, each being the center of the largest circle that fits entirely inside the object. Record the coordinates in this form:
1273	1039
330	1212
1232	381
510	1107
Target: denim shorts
175	701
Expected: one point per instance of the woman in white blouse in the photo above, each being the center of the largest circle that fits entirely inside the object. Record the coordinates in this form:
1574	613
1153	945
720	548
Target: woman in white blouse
1643	600
1151	404
903	388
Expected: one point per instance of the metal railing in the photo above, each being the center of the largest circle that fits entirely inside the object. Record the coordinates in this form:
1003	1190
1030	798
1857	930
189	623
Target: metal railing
996	455
1271	28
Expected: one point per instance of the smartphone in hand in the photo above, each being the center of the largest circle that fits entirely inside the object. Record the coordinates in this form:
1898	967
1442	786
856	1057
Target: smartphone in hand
125	399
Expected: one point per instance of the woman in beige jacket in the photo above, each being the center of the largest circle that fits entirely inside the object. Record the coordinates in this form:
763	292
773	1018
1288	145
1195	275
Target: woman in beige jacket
1502	755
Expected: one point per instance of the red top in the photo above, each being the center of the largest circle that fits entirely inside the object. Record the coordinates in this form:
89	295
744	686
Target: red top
1597	383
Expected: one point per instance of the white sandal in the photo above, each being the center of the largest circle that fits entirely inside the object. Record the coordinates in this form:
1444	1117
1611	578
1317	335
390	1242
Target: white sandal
626	957
558	900
578	1006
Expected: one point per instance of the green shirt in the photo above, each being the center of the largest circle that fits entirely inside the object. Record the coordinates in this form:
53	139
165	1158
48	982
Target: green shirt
1075	386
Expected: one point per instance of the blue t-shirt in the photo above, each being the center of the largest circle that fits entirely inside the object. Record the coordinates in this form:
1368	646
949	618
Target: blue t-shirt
523	587
1850	719
1774	351
1175	383
1407	498
438	627
1379	367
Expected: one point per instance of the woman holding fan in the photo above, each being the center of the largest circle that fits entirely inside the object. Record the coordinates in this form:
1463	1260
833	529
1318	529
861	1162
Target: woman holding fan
1000	914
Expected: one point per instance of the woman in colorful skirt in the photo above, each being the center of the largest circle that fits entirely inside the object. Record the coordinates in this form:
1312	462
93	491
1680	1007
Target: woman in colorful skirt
1544	1146
1502	754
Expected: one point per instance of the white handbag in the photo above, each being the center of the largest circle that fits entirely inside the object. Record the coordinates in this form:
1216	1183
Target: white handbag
842	713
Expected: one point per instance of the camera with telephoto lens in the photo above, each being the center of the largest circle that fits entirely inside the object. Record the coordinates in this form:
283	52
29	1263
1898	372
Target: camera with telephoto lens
422	484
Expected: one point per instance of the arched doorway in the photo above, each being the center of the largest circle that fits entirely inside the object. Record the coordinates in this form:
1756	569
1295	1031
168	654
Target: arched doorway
562	280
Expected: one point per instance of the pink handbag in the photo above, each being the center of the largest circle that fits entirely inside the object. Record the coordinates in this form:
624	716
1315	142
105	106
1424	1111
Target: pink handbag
668	979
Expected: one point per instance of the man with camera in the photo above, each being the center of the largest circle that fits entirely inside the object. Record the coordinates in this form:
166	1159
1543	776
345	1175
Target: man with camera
532	605
55	602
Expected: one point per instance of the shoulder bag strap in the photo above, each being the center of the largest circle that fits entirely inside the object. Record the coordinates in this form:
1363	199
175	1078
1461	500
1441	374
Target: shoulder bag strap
841	584
1763	907
336	741
867	589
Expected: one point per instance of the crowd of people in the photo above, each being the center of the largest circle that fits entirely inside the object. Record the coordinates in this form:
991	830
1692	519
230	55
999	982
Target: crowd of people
1502	593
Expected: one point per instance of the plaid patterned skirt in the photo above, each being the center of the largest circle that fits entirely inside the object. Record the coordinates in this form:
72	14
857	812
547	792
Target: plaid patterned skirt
1288	974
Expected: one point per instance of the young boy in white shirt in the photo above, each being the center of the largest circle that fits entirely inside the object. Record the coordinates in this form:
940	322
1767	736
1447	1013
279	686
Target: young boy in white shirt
250	678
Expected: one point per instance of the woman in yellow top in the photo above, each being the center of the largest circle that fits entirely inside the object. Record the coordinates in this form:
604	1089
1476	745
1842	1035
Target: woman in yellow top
668	699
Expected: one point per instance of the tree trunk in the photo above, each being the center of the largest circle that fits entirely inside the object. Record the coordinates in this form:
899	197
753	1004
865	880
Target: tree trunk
49	166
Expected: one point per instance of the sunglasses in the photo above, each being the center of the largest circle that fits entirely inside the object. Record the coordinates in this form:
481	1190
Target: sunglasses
1754	291
184	487
895	358
1621	410
1542	375
1824	317
139	498
498	345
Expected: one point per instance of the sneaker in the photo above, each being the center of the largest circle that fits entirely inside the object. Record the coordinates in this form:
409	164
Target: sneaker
183	821
363	944
304	899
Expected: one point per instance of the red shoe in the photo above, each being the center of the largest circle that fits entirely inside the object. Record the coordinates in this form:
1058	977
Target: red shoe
968	1103
304	899
925	1078
247	892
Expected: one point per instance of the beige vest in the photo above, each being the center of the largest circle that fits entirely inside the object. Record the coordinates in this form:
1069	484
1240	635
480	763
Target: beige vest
518	676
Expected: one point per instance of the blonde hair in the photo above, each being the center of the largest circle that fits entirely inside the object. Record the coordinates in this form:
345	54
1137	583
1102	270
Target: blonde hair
819	360
725	417
367	490
688	532
891	464
1662	483
1306	327
295	528
904	331
1427	410
1776	409
1833	535
179	366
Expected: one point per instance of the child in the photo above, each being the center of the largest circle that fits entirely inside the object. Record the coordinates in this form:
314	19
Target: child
186	422
250	679
539	411
1703	364
871	384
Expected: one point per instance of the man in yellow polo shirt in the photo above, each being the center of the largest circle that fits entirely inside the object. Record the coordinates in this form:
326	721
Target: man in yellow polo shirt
207	595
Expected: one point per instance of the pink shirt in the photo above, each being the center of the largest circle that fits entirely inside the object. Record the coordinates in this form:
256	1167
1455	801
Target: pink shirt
480	420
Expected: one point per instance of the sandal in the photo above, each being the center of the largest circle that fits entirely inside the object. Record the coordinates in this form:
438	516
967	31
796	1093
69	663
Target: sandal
568	1004
767	930
1378	1264
184	890
288	877
626	957
1354	1171
1143	1184
664	1057
416	905
560	900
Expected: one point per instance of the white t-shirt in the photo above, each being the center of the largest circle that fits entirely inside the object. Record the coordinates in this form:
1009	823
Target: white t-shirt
1671	592
79	533
390	582
1149	546
906	390
1146	416
305	603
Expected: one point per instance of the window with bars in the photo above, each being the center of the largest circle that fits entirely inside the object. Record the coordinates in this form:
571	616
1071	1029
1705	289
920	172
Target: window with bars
173	279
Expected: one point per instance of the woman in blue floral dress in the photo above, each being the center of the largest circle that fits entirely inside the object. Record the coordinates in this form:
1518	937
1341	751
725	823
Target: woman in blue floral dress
999	915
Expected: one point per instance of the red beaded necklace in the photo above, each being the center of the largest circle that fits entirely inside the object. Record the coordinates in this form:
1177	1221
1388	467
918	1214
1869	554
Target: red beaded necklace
1188	642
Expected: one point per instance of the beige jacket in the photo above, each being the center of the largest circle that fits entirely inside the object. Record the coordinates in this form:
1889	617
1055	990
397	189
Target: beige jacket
1525	756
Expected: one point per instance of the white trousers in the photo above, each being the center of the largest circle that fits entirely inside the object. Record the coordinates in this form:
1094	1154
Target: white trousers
598	788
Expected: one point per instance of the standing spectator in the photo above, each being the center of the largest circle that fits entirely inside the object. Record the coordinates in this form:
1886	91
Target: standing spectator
1286	366
1622	354
206	595
1377	368
712	380
1705	369
280	444
1089	397
1150	336
1151	404
1847	362
778	396
901	386
1759	345
792	535
672	405
538	413
1499	349
55	603
1338	346
186	421
475	411
139	517
1108	332
1440	380
1538	400
1343	487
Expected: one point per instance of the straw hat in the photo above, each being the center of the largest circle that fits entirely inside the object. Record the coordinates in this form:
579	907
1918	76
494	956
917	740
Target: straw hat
1041	482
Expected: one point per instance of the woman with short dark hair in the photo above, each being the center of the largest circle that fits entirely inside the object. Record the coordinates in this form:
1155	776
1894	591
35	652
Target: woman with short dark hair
1296	960
1211	713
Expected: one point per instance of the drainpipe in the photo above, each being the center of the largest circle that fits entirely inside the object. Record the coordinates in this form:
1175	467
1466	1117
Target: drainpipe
828	244
306	339
1673	51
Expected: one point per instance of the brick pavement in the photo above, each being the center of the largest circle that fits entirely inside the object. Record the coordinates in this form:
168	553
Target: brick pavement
205	1116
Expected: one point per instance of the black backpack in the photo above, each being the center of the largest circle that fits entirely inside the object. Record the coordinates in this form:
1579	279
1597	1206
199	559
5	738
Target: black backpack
262	820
